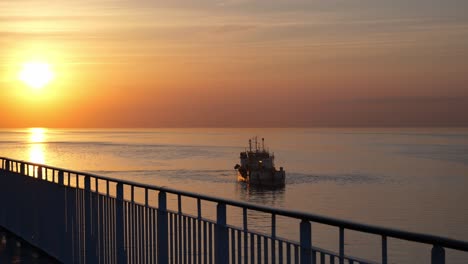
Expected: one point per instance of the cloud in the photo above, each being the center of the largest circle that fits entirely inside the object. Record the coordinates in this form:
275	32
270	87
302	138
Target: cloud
410	100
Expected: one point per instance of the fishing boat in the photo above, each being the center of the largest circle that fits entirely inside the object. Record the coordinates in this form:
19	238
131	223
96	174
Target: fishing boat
257	166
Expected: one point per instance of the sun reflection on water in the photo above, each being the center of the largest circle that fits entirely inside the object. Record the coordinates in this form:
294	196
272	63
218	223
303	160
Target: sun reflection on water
37	135
36	150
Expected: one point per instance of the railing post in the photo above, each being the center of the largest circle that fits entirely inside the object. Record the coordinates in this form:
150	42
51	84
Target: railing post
90	247
221	235
341	245
63	209
22	168
162	232
437	255
384	250
119	225
306	242
61	180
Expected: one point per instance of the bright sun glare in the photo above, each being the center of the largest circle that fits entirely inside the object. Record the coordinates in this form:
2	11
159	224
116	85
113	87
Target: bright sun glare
36	74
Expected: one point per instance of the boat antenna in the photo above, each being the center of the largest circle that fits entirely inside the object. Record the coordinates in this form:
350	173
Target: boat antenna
250	145
263	144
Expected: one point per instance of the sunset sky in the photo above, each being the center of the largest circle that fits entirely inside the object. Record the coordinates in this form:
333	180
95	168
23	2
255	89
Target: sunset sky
236	63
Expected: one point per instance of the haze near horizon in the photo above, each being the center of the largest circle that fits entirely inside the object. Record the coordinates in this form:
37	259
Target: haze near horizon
234	63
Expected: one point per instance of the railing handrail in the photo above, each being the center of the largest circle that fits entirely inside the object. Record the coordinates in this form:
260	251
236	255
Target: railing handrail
350	225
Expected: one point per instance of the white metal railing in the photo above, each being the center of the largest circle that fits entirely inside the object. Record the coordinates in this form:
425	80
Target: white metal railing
80	217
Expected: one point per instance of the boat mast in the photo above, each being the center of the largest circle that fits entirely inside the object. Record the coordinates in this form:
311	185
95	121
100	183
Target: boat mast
250	145
263	144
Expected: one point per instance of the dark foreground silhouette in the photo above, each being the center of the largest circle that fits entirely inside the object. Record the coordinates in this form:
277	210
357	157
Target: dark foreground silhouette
16	250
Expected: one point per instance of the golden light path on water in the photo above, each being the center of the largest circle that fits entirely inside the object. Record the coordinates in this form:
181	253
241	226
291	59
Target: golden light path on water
36	149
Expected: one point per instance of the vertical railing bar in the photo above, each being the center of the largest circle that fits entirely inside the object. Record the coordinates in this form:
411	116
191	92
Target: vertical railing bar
142	233
273	238
384	249
176	238
179	222
149	229
155	236
244	219
205	248
115	229
179	203
273	226
199	212
221	235
189	240
119	224
171	237
132	228
210	241
147	233
306	242
146	228
194	240
252	248
125	220
239	247
146	197
280	251
87	215
184	223
137	233
296	254
233	245
341	245
162	232
245	227
199	233
437	255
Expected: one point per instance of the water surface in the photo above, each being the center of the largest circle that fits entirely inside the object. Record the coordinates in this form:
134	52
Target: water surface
411	179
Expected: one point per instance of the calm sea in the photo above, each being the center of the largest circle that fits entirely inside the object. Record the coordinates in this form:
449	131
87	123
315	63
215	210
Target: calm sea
411	179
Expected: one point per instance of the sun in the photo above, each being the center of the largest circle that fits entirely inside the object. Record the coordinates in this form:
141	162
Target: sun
36	74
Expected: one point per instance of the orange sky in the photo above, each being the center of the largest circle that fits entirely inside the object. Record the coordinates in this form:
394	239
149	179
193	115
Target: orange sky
122	63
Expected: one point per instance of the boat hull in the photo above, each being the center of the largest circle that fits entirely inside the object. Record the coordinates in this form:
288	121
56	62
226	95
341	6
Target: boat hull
264	178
